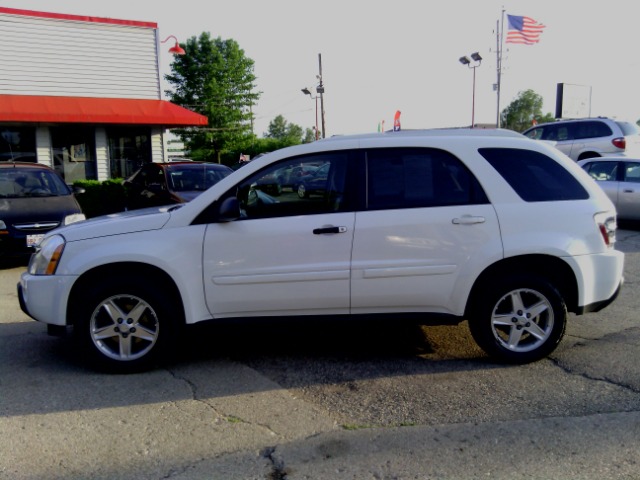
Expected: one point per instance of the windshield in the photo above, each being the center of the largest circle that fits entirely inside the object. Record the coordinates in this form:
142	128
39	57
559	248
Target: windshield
27	182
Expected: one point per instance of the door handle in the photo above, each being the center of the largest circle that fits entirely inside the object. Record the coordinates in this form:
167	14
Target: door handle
468	220
324	230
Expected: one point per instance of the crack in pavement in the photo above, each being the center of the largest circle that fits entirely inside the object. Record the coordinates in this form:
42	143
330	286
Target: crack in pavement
278	470
562	365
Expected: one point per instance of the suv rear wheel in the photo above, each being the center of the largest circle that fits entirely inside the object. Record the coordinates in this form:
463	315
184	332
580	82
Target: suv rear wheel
520	319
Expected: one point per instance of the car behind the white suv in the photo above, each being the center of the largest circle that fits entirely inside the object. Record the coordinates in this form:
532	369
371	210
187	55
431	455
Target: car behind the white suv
589	137
481	225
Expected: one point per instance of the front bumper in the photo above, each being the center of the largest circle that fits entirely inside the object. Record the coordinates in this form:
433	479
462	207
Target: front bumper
44	297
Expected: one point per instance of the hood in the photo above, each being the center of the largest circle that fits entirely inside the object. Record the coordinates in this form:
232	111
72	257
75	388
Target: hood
117	224
37	209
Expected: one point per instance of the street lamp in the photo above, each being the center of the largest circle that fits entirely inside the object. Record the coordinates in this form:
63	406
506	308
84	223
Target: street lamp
306	91
176	49
477	60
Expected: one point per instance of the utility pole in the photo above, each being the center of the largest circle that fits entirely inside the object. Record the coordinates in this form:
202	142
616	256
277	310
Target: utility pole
320	90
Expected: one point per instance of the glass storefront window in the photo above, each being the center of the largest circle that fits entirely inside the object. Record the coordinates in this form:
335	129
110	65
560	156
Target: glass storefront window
17	143
73	152
129	149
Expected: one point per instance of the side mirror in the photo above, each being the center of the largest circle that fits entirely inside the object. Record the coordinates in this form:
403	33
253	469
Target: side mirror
78	190
229	210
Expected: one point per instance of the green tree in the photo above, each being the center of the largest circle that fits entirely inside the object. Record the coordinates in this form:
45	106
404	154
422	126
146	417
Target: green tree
280	129
523	111
309	135
216	79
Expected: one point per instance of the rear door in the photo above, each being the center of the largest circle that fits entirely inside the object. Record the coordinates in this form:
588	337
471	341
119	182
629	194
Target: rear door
591	136
426	228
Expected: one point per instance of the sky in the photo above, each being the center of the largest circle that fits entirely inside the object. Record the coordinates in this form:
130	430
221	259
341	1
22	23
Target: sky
379	57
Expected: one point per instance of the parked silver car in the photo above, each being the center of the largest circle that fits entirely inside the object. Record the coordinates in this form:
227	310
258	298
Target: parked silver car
619	177
589	137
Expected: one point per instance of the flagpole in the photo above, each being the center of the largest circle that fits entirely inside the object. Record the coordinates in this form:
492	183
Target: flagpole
499	33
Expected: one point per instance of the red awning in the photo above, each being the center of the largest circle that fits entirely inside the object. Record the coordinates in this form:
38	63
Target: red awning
120	111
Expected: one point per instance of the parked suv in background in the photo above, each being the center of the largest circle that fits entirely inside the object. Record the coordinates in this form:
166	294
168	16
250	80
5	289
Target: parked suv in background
589	137
441	225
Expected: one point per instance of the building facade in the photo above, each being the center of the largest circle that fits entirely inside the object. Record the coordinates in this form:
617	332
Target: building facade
83	95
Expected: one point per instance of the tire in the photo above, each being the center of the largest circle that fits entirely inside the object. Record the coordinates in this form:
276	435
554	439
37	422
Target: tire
123	326
519	320
302	191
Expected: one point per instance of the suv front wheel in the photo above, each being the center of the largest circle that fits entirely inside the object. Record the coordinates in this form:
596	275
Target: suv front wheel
519	319
123	325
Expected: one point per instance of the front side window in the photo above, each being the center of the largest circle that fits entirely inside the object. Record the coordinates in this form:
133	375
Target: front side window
149	174
305	185
419	177
74	153
535	133
602	171
559	132
534	176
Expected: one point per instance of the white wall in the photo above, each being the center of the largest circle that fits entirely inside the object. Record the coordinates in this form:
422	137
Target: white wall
68	57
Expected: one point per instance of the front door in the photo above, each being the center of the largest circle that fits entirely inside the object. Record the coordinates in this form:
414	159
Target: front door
288	254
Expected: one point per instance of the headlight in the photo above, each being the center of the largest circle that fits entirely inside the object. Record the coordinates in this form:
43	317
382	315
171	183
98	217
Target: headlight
45	260
3	226
76	217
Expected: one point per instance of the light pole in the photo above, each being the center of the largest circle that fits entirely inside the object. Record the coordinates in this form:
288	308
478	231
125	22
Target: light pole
477	60
306	91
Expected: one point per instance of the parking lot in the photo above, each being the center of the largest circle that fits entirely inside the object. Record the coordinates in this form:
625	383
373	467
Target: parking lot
327	401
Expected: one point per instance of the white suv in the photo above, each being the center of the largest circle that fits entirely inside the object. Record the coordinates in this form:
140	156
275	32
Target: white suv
486	226
589	137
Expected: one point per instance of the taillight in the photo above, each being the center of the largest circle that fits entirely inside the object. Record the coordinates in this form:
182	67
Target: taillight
619	142
607	227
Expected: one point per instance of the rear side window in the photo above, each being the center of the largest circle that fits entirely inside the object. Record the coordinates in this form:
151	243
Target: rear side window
592	129
418	177
534	176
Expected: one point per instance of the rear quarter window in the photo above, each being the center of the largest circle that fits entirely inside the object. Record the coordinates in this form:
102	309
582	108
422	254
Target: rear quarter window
534	176
628	128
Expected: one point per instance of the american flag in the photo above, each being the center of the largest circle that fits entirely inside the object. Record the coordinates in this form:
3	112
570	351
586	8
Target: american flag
523	30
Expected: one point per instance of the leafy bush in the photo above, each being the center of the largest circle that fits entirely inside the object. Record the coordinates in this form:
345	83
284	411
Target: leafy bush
101	198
